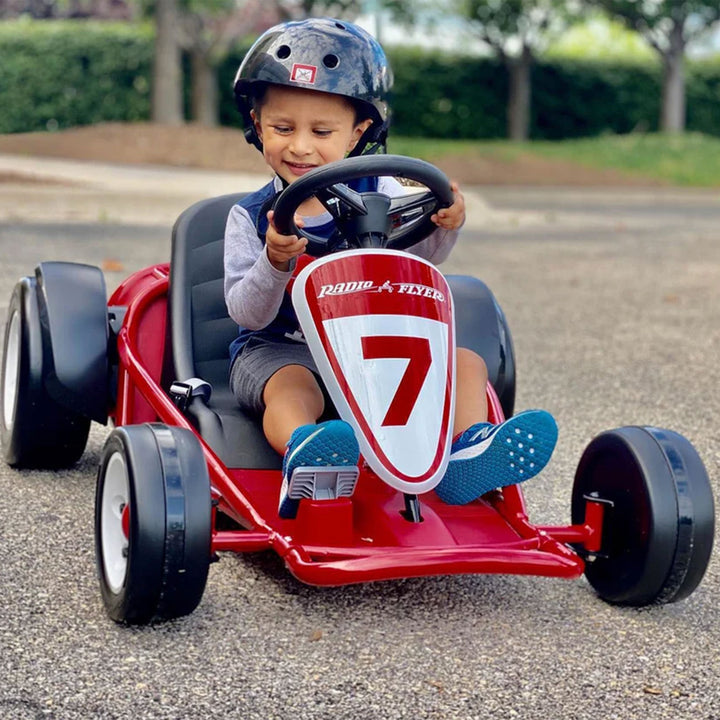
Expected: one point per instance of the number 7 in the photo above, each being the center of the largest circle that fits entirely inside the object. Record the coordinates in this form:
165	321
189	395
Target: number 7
417	351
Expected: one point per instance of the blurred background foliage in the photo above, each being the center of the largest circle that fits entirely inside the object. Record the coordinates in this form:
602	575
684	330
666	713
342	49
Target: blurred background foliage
540	69
55	76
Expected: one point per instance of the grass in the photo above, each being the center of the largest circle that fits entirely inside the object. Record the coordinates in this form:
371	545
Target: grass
690	159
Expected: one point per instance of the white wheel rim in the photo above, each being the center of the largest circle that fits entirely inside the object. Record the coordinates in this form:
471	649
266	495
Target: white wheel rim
114	544
11	370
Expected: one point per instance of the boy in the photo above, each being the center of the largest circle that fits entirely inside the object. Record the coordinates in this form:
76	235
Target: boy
313	92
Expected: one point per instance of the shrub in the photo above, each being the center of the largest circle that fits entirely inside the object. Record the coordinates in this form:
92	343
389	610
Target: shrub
57	74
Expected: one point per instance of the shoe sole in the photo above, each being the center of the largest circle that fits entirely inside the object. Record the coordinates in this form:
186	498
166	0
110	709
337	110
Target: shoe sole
335	445
519	450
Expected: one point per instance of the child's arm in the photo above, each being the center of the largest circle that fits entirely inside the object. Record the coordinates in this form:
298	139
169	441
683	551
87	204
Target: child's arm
452	218
254	288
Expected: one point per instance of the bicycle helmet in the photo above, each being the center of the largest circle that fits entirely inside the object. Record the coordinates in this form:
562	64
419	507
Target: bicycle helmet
322	54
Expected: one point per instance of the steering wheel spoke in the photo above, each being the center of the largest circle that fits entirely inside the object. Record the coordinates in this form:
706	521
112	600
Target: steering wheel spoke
411	208
342	201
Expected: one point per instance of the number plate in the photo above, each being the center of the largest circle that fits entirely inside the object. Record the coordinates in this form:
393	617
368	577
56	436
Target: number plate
380	327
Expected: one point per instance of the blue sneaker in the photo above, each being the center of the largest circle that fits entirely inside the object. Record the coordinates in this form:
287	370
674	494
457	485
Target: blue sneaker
328	454
488	456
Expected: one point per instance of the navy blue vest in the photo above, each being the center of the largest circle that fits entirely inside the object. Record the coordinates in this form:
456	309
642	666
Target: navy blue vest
285	326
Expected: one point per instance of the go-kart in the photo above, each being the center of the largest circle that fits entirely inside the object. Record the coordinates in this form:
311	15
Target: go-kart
185	474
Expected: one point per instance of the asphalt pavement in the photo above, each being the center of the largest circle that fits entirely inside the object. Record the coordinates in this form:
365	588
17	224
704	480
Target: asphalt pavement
613	298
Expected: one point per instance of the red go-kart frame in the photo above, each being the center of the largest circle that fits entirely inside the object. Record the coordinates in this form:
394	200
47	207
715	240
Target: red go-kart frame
174	489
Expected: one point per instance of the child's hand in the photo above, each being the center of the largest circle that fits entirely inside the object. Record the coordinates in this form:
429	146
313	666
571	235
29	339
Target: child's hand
281	249
451	218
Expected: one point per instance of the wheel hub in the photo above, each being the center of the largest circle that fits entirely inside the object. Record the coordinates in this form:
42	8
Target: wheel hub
11	370
115	522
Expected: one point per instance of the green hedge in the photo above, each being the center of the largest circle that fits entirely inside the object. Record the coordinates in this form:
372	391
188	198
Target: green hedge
57	74
580	99
703	98
64	73
447	96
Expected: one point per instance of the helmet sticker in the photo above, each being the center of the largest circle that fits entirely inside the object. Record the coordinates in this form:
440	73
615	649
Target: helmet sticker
303	73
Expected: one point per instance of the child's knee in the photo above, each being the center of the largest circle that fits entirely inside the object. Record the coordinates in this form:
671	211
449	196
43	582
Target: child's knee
294	384
469	362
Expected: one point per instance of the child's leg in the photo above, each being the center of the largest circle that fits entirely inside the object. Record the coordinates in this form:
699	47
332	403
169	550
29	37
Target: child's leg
470	398
292	398
485	456
293	403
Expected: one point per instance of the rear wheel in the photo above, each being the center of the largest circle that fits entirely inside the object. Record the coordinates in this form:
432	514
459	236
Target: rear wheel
659	518
152	523
36	431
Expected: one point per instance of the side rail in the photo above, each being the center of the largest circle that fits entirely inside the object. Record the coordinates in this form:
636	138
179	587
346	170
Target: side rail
141	398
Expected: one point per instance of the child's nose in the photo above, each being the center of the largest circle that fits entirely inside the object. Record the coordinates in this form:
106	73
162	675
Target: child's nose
301	144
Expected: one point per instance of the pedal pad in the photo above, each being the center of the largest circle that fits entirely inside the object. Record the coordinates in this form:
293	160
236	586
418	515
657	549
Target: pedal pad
323	483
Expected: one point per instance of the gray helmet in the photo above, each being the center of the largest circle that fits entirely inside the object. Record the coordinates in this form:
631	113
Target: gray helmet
326	55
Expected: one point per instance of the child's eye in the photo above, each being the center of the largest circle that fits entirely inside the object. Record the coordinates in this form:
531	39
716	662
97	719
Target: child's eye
323	133
282	129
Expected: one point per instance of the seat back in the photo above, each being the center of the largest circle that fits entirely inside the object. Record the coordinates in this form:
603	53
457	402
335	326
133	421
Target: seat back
201	332
201	329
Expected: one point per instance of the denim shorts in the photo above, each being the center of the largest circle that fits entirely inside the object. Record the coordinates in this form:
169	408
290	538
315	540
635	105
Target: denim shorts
258	361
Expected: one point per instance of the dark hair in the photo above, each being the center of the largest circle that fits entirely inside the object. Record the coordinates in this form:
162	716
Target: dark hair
257	97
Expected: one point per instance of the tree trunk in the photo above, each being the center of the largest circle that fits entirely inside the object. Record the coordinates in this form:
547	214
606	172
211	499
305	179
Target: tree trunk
205	96
672	114
167	101
518	111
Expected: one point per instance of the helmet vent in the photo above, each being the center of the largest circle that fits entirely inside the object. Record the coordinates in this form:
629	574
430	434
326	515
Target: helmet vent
331	61
340	26
283	52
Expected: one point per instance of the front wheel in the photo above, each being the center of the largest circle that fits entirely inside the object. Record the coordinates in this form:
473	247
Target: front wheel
659	518
152	523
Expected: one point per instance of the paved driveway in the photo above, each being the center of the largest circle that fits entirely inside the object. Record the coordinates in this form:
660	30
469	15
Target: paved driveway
614	302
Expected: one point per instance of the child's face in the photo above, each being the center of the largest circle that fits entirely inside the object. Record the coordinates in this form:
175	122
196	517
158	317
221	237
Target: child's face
303	129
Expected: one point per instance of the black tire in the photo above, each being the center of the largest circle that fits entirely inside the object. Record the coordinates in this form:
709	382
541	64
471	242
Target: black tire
507	379
659	521
35	430
481	326
152	523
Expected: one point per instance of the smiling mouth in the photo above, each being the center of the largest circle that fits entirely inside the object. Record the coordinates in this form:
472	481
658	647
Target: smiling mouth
300	168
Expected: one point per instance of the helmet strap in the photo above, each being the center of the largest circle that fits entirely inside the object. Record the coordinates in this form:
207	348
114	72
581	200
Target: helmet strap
251	133
372	141
375	149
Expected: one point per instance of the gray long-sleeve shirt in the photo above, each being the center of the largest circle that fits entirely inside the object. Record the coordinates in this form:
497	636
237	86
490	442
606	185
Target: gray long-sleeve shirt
254	289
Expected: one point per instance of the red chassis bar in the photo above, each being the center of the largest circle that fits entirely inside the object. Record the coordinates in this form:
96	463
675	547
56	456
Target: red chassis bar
351	558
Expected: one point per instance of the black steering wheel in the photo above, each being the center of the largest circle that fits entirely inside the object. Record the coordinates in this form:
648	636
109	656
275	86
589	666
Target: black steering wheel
366	219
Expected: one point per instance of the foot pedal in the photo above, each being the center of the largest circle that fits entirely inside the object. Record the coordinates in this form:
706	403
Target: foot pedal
323	483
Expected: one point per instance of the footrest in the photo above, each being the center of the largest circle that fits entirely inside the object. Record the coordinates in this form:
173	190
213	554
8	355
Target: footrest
323	483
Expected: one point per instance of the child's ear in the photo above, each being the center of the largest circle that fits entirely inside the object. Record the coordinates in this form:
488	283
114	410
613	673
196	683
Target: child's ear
256	121
358	131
